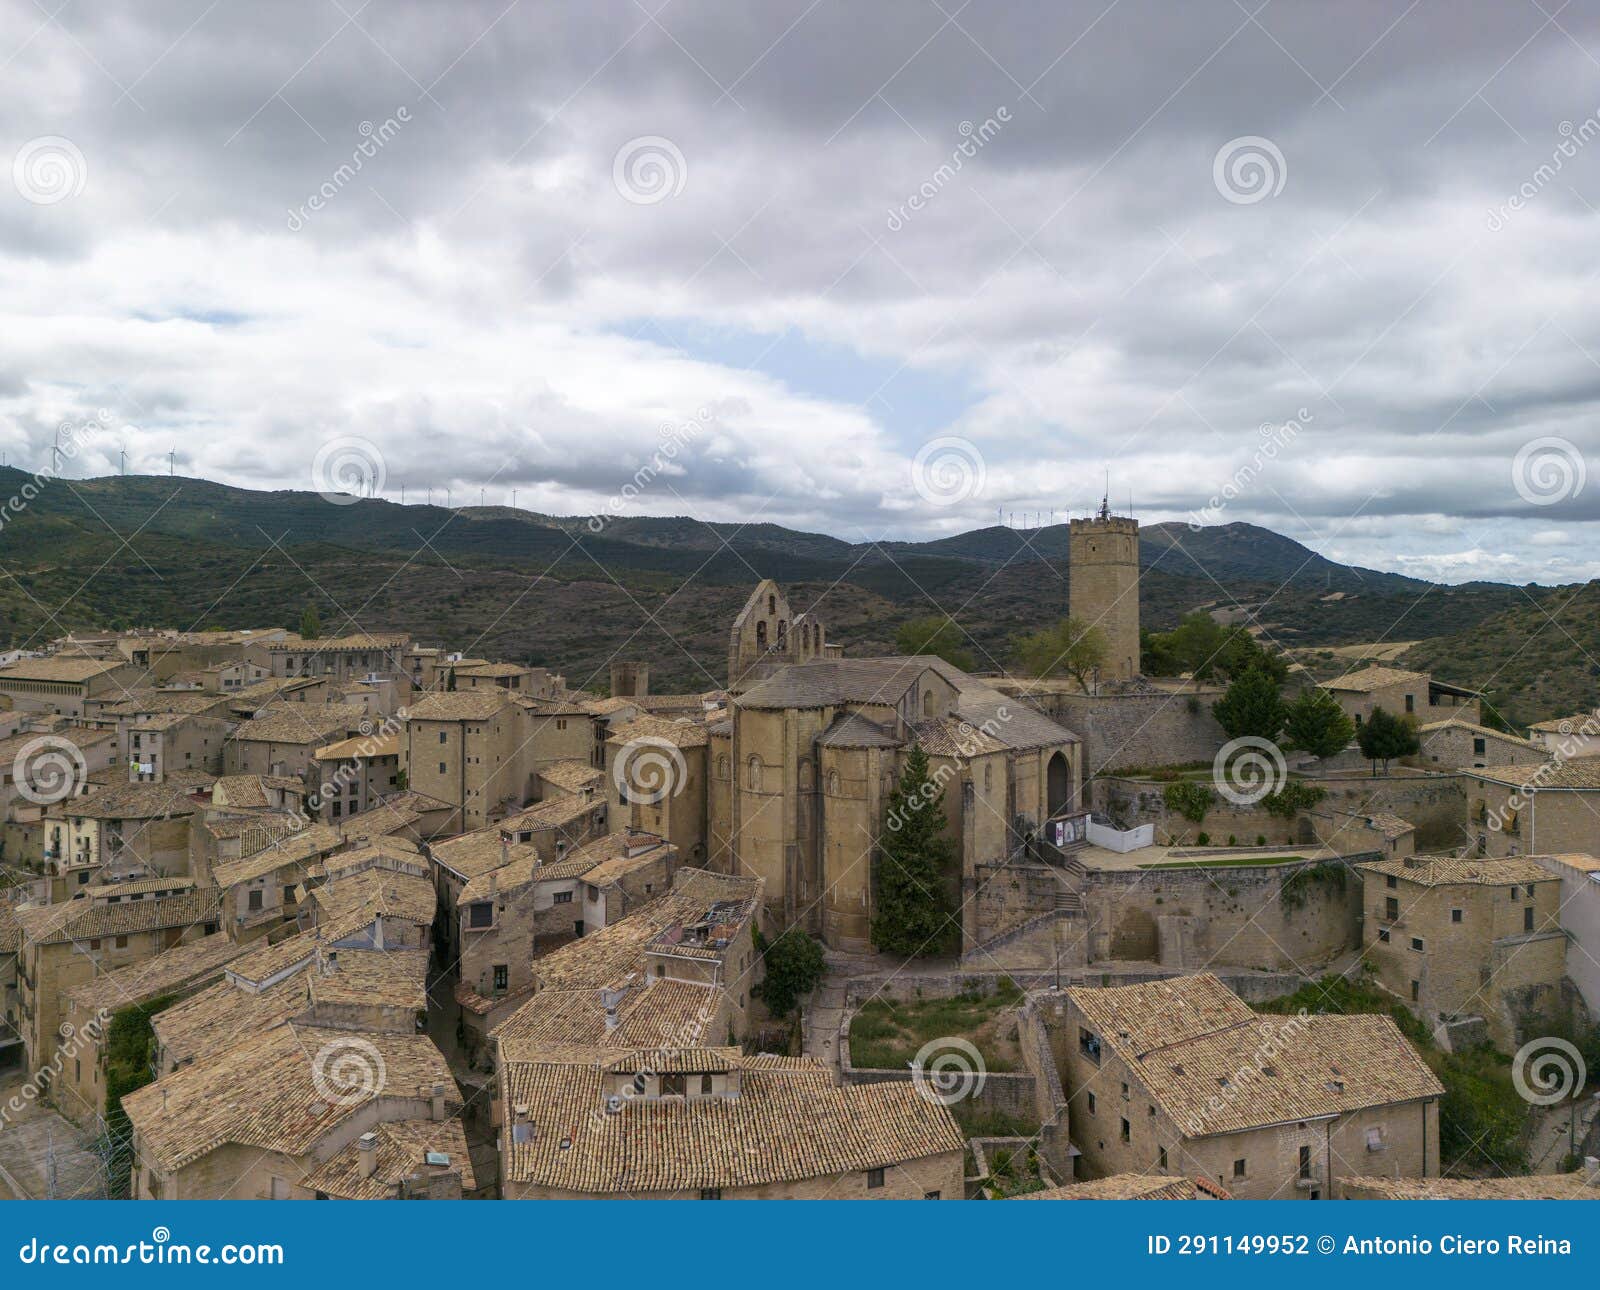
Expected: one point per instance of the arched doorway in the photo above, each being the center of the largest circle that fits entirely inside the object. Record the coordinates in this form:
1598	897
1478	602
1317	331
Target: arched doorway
1058	785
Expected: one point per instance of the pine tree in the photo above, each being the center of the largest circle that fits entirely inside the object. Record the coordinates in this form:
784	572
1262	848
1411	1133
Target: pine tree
1385	737
1252	707
1317	724
912	911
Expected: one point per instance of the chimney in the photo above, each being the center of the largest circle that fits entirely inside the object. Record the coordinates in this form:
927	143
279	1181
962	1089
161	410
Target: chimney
609	1000
505	848
521	1125
436	1109
367	1153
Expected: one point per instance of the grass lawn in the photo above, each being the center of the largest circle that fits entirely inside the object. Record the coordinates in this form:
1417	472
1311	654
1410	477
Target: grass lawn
885	1035
1234	863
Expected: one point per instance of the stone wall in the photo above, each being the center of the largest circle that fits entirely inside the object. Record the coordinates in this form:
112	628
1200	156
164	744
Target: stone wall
1140	728
1435	803
1263	917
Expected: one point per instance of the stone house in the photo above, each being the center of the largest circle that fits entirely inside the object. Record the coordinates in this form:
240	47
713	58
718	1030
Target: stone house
1182	1077
1547	809
354	775
119	830
714	1124
655	776
70	943
1402	693
282	740
234	1122
154	743
1457	940
1453	742
65	686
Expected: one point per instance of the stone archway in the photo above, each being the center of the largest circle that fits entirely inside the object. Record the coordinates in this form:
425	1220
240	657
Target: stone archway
1058	785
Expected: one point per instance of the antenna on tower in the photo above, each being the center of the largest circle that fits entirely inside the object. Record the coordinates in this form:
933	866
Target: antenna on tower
123	453
402	494
480	496
513	499
172	461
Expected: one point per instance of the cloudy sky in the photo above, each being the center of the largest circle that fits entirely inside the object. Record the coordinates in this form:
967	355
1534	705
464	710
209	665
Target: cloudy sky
887	269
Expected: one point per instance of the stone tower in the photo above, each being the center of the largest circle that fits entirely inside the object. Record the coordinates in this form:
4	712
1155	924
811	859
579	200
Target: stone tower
1103	585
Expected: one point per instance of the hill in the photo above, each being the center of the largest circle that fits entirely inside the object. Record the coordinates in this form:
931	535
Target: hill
572	592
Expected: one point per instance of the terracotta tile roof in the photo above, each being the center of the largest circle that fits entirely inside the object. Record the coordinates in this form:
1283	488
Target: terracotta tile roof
652	1013
788	1123
1485	732
82	920
1579	723
1120	1187
682	733
58	669
470	855
181	968
1573	773
130	802
360	746
262	1093
1524	1187
1391	826
475	668
371	892
852	730
571	775
1201	1059
608	707
301	848
947	737
384	978
553	814
1449	871
458	705
1367	679
302	723
224	1015
266	961
136	887
10	929
355	641
403	1150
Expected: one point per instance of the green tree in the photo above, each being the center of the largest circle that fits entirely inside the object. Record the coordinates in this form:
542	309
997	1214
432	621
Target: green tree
310	624
912	913
793	967
1071	648
1384	737
1317	724
935	635
1241	652
1251	708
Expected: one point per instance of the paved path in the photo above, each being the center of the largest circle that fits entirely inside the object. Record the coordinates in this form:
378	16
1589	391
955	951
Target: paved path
824	1011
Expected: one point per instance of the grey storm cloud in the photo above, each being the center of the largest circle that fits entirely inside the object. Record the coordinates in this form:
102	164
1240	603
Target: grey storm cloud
407	222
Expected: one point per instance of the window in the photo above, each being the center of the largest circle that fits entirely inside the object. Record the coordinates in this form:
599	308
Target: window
1238	1168
1390	881
480	913
1090	1096
1124	1092
1416	992
1161	1157
1416	943
1127	1130
122	942
288	895
1478	749
1455	915
563	898
1411	703
673	1086
874	1179
711	1193
1527	918
253	900
930	1195
1305	1162
441	768
1089	1045
1528	891
1391	908
1383	935
705	1085
502	976
1375	1139
1513	893
442	737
